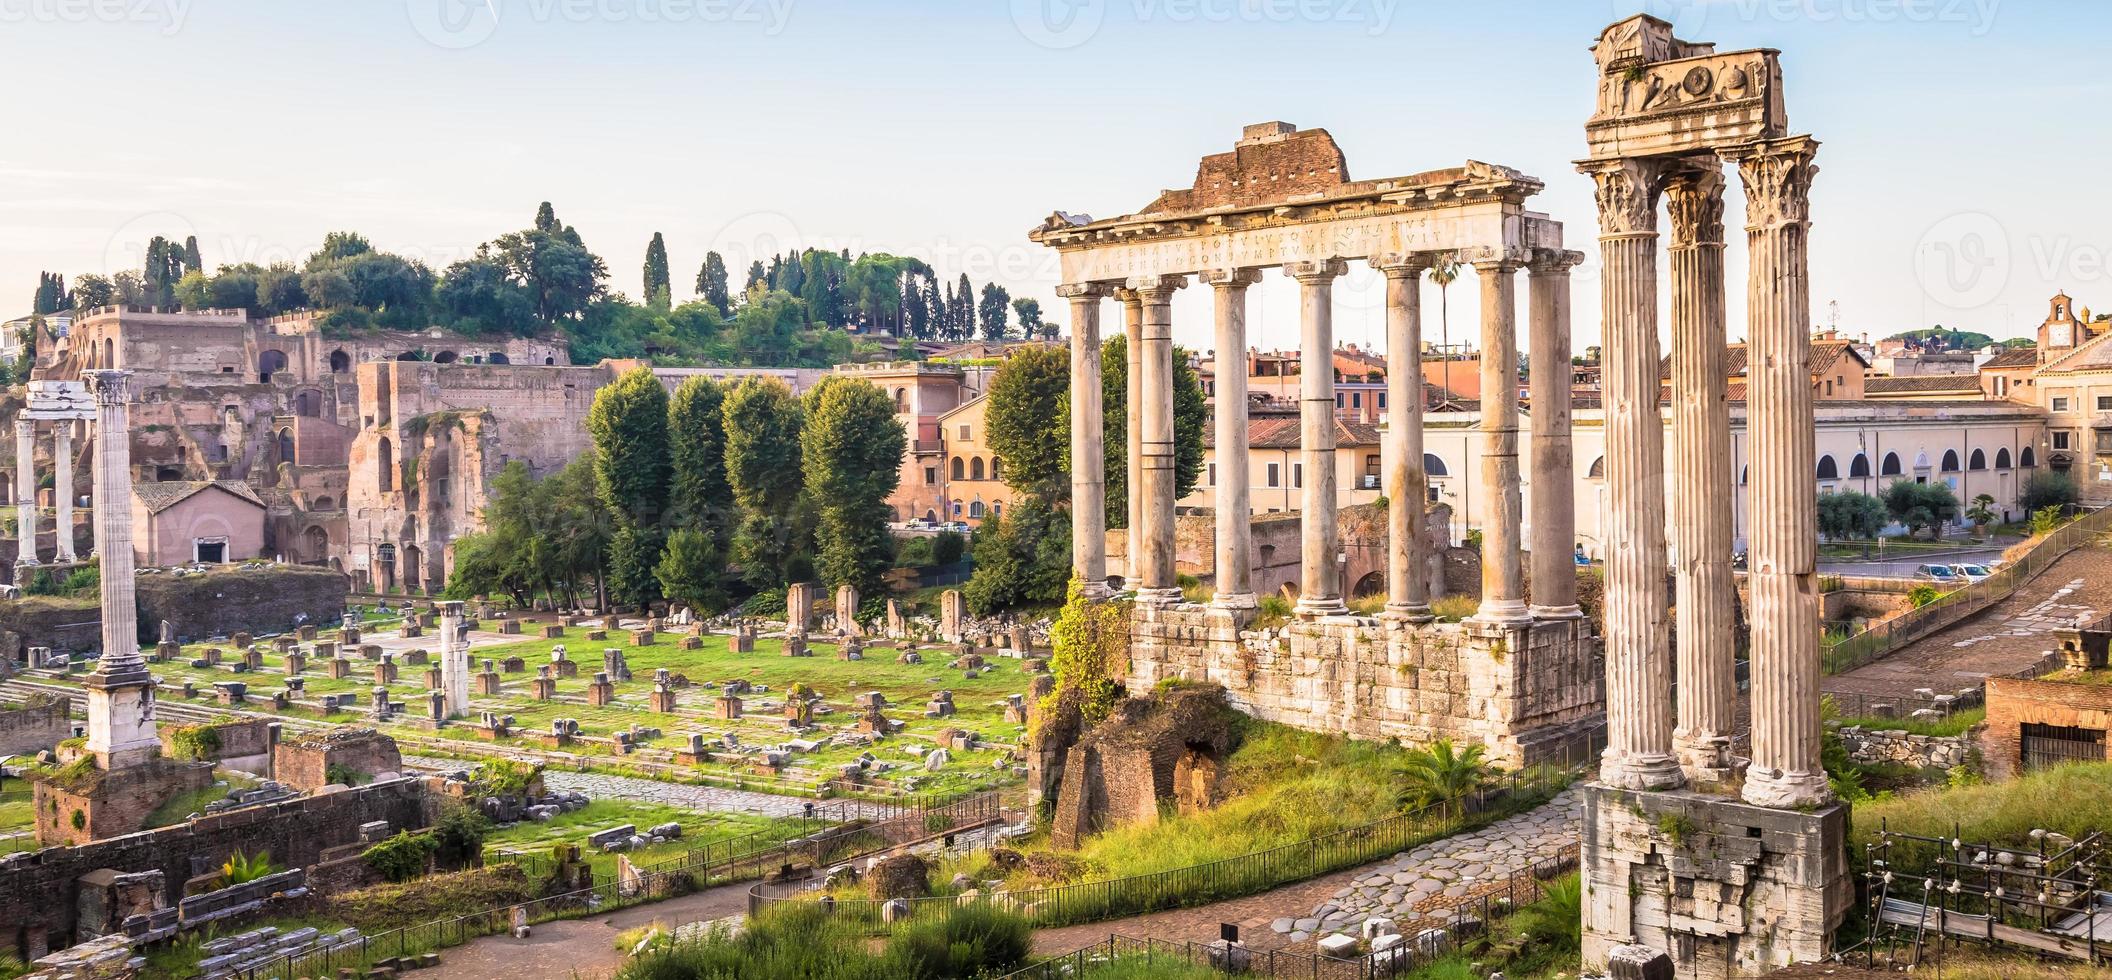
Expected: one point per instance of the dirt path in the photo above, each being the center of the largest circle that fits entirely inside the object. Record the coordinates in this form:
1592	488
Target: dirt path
579	947
2007	637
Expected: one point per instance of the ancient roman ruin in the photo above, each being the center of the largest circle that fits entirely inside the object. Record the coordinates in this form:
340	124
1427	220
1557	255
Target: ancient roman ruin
1282	198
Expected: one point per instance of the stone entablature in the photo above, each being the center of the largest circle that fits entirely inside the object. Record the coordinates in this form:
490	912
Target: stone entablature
1527	691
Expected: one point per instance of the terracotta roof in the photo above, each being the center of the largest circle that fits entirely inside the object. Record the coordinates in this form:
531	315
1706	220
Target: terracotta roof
2013	357
1824	355
1921	382
161	496
1282	433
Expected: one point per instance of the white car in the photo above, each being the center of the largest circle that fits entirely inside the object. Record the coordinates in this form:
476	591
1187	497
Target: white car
1971	572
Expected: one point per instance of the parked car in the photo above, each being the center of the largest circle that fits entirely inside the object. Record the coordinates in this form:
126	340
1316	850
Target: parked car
1970	572
1940	574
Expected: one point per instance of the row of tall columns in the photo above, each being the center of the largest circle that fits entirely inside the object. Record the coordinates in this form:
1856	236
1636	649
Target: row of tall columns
1703	588
26	489
1653	744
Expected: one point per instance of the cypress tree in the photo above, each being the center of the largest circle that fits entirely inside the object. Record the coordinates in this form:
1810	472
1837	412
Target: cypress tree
658	289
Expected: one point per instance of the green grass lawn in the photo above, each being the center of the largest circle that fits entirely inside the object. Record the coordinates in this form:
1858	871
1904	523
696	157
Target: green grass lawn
1957	724
2074	800
698	828
979	703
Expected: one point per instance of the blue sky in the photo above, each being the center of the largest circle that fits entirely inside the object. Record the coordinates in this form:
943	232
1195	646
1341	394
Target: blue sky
1963	138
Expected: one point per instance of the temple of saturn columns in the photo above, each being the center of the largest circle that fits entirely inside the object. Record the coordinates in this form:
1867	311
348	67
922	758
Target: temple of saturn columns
1734	867
1522	676
62	405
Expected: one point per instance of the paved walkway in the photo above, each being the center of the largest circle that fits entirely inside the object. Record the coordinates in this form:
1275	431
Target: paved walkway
584	948
704	799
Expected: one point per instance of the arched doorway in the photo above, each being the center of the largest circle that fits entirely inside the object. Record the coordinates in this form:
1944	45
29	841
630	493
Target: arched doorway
385	466
385	572
315	545
270	362
444	357
497	358
413	569
285	445
1370	585
340	362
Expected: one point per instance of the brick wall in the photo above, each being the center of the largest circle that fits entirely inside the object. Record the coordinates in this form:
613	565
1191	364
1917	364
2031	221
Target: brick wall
304	764
35	727
2012	703
38	891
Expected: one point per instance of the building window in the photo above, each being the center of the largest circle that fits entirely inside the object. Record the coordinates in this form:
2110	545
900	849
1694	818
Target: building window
960	468
2060	440
1339	396
1213	474
1891	467
2060	404
1950	461
1298	475
1275	474
2028	458
1859	466
975	468
1382	401
1977	461
1829	389
1433	466
1356	399
931	475
1828	469
2001	459
2104	403
964	433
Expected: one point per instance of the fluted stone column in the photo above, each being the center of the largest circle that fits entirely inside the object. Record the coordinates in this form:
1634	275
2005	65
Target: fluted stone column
120	691
1502	543
1133	436
1088	452
1704	591
454	659
1638	665
62	488
1407	482
25	491
1554	462
1235	526
1319	584
1154	415
1785	771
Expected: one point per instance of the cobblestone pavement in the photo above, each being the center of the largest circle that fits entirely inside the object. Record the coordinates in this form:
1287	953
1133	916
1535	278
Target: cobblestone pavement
704	799
1426	881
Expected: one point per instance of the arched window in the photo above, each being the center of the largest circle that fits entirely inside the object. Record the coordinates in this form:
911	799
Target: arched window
549	361
1891	467
997	468
1828	469
109	352
340	362
975	468
2002	458
975	510
960	468
385	466
285	445
1433	466
268	363
1859	466
315	544
956	508
409	355
901	401
1745	475
1598	469
1977	461
2028	459
997	510
1950	461
323	503
930	516
1921	461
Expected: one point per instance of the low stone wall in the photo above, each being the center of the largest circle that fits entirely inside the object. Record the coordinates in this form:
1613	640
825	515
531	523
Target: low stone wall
1883	746
304	762
35	727
1528	692
38	889
224	601
244	745
65	625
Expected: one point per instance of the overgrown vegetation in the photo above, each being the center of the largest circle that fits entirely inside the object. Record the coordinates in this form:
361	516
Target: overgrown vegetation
241	868
2074	800
801	941
1091	640
193	743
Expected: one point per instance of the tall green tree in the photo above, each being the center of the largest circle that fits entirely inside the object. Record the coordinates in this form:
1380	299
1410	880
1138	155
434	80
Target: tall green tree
996	310
962	305
1026	421
691	571
51	294
852	451
658	290
1030	322
551	262
629	424
711	284
699	496
763	470
91	291
1190	414
1920	505
192	261
1850	515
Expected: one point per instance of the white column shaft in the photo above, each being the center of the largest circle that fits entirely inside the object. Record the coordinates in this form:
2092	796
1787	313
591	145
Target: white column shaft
1502	546
1407	481
1320	590
1554	463
25	492
1088	454
1234	521
62	489
1155	416
1133	438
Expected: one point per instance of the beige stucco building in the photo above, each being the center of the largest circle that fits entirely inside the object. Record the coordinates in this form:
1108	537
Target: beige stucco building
177	522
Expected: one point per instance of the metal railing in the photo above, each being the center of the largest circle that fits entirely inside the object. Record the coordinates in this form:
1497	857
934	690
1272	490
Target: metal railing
1873	644
1241	875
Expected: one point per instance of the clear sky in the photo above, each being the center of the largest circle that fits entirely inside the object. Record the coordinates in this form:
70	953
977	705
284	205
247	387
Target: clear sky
1964	139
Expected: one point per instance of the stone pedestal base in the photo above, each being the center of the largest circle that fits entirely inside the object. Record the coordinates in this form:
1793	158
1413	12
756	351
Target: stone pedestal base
1727	888
545	689
602	693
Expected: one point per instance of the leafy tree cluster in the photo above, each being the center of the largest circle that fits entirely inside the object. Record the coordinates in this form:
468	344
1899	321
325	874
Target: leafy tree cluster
2047	489
1920	505
1851	515
1190	415
52	295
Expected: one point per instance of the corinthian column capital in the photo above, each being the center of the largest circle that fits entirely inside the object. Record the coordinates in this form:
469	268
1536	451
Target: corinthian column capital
1498	263
1229	278
1402	265
25	428
1084	290
1155	290
110	387
1627	195
1777	175
1553	261
1315	271
1694	200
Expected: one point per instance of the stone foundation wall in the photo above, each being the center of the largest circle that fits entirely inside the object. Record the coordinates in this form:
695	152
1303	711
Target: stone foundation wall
112	804
1528	693
233	600
38	890
244	745
304	763
35	727
2012	703
1880	746
1728	889
65	625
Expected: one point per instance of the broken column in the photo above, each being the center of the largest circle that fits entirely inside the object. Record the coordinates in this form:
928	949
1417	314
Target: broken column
454	658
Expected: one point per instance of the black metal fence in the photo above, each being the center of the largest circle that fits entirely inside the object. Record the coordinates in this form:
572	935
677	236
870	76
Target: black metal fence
1847	653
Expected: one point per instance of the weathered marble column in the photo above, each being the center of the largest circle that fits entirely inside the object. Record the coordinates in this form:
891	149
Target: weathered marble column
62	488
1638	665
1785	771
454	659
1502	543
1234	521
120	691
1704	591
1319	584
1407	482
1154	415
25	491
1088	452
1133	435
1554	463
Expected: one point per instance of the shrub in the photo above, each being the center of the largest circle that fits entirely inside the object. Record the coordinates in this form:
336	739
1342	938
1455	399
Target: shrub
194	743
1922	595
240	868
1453	608
458	838
505	777
400	858
2047	489
1091	641
948	547
344	775
973	940
1441	772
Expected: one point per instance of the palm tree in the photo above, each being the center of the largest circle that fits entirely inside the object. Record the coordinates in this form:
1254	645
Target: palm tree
1982	513
1441	772
1443	271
